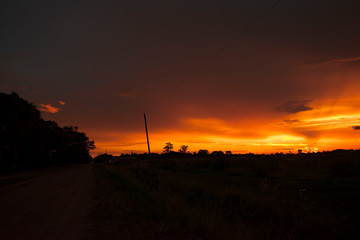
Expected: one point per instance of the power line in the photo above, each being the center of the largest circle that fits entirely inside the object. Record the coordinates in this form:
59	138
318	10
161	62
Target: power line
215	53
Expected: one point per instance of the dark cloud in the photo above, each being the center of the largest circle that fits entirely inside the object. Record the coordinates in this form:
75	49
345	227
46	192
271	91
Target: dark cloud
291	121
284	149
294	106
287	122
356	127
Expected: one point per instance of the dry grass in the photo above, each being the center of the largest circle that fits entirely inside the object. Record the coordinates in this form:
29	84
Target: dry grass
258	197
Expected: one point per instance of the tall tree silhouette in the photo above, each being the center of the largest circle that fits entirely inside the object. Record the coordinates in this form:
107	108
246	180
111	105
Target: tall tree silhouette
183	149
18	121
168	147
27	140
77	144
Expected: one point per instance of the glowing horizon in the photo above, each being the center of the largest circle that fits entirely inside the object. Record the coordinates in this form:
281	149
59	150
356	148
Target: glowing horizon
310	131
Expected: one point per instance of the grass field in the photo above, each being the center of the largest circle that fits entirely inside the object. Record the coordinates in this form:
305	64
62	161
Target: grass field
305	196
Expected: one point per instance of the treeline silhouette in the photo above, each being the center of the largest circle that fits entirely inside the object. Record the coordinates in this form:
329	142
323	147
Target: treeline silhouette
28	141
338	163
204	153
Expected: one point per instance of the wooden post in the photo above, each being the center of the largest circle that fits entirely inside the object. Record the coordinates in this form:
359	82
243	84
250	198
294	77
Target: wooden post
147	135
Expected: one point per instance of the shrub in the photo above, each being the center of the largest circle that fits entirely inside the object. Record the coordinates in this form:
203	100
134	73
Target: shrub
147	175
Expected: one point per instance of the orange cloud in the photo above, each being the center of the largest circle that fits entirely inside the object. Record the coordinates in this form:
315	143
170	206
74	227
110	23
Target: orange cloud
62	102
48	108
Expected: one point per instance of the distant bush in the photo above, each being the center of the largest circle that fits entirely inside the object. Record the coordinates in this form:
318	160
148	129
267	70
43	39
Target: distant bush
147	175
219	163
344	168
195	196
167	164
261	171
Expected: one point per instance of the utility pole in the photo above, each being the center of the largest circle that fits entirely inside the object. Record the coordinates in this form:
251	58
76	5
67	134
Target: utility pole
147	135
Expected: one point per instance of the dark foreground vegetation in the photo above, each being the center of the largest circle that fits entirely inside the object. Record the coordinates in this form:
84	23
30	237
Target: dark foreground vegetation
292	196
28	141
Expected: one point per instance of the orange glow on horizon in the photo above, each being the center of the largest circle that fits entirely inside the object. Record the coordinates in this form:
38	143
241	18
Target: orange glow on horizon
330	125
267	144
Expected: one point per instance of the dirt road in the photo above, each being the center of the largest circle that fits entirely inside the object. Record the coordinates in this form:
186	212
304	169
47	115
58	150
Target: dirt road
55	206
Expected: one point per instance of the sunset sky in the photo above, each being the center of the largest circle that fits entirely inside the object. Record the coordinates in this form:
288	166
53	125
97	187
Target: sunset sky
289	81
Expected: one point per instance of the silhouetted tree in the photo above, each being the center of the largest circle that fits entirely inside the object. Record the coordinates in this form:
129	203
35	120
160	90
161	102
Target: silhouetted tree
203	153
19	120
103	158
29	141
183	149
76	145
217	153
168	147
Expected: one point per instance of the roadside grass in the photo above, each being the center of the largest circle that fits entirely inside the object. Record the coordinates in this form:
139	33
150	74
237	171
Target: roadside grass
126	210
278	197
